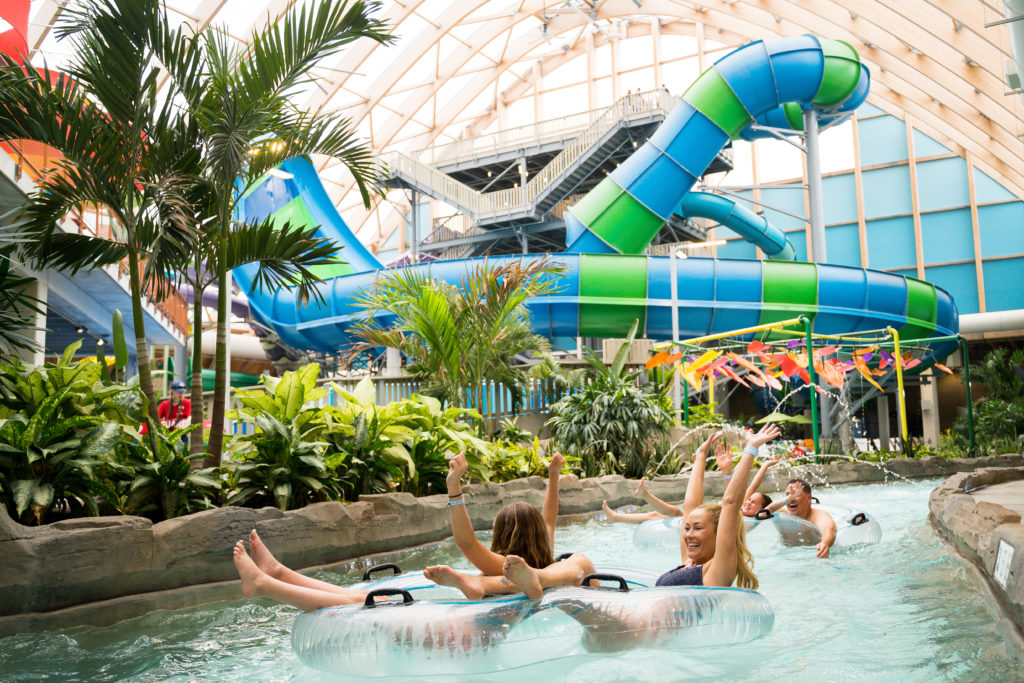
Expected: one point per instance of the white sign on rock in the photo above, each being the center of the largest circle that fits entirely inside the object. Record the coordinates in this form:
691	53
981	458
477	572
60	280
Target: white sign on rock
1003	559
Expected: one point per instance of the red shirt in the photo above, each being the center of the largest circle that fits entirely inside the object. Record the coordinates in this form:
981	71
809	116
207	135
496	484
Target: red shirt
177	416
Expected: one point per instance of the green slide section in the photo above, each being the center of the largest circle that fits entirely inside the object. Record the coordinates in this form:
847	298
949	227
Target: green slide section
613	293
296	212
712	96
788	290
922	310
607	208
842	71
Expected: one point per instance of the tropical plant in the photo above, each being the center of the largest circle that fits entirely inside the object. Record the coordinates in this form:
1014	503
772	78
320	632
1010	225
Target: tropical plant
510	432
59	428
612	424
282	463
508	461
120	145
998	418
164	486
454	337
439	433
238	94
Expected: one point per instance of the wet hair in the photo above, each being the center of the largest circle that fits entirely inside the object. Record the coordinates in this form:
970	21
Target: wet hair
767	500
745	576
519	530
804	484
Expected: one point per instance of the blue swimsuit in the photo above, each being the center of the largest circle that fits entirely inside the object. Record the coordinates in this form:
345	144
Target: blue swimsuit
682	576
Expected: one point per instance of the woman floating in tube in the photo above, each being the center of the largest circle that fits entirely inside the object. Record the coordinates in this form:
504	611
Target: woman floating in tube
520	557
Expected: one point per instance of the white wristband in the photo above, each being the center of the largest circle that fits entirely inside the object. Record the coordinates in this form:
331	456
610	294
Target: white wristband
727	477
752	450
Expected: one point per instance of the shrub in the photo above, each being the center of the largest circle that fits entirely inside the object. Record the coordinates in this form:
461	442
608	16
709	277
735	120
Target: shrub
611	424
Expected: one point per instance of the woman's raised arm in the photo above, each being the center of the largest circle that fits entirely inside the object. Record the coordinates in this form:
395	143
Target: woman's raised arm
722	568
695	487
488	562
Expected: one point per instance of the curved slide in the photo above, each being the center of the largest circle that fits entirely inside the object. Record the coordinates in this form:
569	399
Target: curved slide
603	291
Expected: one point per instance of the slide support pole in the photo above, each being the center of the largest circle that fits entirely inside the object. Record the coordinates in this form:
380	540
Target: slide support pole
817	218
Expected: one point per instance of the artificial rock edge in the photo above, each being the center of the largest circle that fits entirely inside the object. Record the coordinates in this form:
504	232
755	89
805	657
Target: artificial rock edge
104	569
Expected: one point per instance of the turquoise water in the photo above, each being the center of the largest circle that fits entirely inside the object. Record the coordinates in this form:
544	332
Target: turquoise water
904	610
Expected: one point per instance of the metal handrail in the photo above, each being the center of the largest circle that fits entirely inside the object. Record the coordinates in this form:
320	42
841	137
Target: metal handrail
521	200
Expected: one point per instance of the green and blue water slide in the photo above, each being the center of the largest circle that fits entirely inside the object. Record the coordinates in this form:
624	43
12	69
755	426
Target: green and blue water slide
608	283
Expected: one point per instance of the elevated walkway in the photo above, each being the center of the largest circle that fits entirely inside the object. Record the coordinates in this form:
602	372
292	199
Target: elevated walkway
514	185
87	300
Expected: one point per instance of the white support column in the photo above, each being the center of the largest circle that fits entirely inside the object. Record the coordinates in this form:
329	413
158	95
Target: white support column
180	362
884	437
930	407
819	253
39	289
392	363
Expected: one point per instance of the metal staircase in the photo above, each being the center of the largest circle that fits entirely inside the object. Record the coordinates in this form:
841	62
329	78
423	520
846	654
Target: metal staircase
579	151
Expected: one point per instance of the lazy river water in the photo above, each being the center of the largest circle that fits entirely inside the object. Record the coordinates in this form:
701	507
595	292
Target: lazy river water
904	609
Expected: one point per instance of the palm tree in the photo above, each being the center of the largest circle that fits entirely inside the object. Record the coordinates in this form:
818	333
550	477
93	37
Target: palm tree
455	337
122	147
239	98
17	307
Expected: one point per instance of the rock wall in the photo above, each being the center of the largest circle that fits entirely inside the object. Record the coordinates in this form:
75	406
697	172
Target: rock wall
100	570
977	527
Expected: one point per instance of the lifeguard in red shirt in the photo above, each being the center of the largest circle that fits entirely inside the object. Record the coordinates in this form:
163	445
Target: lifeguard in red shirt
175	412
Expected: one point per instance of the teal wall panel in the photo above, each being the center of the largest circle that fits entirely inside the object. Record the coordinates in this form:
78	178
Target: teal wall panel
925	146
839	199
987	190
947	236
1003	290
799	240
960	281
790	200
1001	227
887	192
942	184
868	109
738	248
891	243
882	140
843	242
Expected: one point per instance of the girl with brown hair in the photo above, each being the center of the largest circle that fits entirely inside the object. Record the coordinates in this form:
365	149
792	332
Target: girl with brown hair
520	557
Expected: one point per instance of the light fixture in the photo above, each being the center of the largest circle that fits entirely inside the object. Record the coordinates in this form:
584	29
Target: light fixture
100	342
80	329
488	174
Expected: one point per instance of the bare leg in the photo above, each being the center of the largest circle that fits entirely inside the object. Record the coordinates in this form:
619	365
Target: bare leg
256	583
627	517
473	587
272	567
532	581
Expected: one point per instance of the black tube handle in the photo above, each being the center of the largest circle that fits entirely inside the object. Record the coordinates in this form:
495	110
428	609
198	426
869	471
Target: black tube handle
407	598
814	499
763	514
564	556
380	568
623	586
858	519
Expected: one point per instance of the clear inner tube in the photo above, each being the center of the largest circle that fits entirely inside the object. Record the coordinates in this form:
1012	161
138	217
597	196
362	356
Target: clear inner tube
466	637
853	527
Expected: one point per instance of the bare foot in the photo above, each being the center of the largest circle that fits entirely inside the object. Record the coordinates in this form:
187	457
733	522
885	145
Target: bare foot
523	576
443	575
609	514
264	560
251	575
